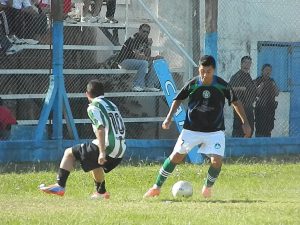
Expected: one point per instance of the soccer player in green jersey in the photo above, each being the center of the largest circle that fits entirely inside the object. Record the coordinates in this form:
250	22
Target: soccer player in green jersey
203	125
100	155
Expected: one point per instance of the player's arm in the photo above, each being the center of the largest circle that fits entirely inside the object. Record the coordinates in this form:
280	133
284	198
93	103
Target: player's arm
175	104
99	129
238	107
100	135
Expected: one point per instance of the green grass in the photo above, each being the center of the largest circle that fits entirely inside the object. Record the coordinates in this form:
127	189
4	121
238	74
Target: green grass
244	194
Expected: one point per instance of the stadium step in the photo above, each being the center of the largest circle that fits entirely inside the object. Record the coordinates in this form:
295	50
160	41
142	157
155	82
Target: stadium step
81	47
76	71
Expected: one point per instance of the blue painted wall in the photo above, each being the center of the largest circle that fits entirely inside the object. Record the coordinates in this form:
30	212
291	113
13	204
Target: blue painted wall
295	91
147	150
278	56
285	60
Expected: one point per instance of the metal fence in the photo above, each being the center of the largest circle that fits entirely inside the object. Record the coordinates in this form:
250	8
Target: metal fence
266	30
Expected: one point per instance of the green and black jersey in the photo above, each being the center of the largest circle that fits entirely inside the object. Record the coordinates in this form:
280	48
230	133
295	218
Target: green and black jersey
206	104
103	112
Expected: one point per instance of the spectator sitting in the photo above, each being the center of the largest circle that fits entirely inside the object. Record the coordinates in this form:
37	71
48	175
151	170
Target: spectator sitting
94	17
6	120
3	5
23	20
266	105
245	90
136	55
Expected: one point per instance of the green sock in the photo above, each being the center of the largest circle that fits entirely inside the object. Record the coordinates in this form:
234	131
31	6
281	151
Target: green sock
212	176
165	171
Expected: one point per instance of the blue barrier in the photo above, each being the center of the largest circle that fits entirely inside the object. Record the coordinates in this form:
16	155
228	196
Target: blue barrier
146	150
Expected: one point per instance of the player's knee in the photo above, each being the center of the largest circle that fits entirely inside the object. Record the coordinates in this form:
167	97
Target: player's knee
216	162
68	153
177	158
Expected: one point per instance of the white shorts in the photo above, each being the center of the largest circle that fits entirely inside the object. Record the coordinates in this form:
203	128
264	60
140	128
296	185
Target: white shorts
210	143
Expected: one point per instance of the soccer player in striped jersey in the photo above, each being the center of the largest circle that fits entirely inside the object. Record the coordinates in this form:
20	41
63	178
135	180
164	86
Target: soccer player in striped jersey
102	154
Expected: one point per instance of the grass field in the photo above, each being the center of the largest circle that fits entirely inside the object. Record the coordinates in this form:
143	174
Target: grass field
256	193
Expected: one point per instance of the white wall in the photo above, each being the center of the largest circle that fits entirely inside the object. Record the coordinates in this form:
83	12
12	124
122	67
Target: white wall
241	24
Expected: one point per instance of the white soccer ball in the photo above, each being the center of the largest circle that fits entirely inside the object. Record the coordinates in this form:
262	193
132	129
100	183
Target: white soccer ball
182	189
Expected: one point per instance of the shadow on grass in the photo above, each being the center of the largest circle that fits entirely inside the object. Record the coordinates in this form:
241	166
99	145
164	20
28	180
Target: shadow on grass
214	201
23	167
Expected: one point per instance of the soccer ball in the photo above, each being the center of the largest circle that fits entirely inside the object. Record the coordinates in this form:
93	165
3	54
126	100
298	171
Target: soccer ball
182	189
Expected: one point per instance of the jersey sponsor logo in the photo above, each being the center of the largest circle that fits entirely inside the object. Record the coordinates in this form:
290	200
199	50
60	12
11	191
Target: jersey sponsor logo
217	146
206	94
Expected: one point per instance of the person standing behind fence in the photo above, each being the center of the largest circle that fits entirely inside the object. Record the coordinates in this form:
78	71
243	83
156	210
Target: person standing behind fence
136	55
245	90
93	16
266	105
6	120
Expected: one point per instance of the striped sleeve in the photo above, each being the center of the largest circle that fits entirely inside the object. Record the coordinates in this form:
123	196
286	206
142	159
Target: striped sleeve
96	116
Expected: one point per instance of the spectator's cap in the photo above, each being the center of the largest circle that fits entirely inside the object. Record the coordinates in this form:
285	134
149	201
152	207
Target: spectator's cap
207	60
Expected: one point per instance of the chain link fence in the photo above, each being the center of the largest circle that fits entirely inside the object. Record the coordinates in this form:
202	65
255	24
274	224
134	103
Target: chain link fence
265	30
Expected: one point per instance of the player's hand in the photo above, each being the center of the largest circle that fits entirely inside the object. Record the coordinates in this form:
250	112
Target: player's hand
166	124
101	158
247	130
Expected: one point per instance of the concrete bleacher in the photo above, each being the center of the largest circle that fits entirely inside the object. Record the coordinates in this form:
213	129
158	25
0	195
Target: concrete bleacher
22	66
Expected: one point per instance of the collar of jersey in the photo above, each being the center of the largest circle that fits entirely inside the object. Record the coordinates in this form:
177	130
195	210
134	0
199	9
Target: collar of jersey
95	99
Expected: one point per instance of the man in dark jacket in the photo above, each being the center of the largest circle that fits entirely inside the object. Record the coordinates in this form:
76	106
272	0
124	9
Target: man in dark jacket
266	104
245	90
136	55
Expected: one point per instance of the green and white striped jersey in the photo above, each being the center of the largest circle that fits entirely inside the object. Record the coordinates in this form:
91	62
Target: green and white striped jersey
103	112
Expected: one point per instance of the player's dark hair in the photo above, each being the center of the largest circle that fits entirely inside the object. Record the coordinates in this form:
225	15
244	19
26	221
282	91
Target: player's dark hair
144	25
207	60
265	66
244	58
95	88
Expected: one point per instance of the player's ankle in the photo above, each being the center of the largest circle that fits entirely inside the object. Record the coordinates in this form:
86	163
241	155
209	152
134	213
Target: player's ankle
156	186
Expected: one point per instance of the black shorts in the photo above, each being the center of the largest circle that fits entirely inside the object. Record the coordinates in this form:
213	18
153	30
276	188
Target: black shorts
87	154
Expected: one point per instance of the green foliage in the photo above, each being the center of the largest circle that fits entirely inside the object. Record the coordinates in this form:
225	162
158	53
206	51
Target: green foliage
243	194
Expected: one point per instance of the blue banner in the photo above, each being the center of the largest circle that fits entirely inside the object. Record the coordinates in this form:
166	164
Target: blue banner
169	88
